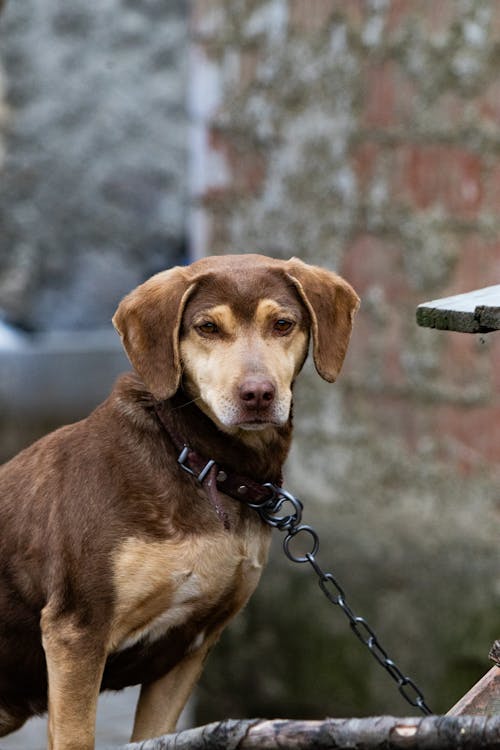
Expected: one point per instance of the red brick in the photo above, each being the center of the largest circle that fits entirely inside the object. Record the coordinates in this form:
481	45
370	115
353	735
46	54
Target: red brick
439	175
492	189
488	104
212	196
309	15
354	12
494	25
220	241
493	341
469	436
364	160
389	96
372	262
462	365
390	417
355	364
380	96
465	438
374	355
249	60
249	170
376	271
438	17
478	265
393	371
461	350
247	165
449	107
400	11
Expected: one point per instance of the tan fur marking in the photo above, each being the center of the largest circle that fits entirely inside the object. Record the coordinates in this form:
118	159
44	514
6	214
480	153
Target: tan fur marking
222	315
215	368
75	664
158	584
160	703
293	346
268	309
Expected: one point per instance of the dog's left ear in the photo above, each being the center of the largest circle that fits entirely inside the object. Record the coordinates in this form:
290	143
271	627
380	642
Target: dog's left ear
332	304
148	321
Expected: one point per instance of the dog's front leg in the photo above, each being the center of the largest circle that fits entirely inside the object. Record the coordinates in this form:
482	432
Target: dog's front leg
161	702
75	663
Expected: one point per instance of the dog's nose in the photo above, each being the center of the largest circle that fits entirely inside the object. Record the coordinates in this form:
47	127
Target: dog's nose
257	394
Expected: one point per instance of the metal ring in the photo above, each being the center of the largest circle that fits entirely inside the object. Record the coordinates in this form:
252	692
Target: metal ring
258	506
293	533
269	511
286	522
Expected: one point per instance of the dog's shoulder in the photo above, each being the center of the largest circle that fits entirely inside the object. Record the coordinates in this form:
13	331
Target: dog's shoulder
127	408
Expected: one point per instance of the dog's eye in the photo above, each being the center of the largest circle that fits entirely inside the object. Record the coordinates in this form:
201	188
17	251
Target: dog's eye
282	326
207	328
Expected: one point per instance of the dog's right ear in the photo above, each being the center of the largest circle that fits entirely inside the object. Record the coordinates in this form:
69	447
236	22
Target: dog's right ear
148	321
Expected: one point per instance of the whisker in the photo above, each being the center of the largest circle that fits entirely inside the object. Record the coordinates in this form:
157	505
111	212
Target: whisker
182	406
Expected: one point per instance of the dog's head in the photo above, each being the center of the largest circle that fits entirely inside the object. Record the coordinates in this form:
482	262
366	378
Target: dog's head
234	332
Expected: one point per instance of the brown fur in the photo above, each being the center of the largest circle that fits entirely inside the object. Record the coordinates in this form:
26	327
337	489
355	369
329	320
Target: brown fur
115	569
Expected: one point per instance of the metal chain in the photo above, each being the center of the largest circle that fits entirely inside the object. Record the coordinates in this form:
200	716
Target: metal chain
270	511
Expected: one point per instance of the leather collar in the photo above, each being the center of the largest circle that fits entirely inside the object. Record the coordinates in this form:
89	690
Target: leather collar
210	474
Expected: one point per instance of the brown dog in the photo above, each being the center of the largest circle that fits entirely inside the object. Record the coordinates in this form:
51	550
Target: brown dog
116	566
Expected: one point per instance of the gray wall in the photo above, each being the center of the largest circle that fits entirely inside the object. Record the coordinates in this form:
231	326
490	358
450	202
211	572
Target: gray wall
93	186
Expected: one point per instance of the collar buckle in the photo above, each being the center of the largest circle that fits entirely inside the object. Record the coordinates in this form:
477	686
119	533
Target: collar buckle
183	458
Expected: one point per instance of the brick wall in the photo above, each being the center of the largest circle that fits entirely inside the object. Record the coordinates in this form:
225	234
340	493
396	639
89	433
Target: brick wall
365	136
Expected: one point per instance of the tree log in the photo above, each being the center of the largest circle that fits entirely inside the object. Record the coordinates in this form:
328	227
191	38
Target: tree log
427	733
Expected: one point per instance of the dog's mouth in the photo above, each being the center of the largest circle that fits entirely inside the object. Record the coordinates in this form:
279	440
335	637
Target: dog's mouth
257	424
231	417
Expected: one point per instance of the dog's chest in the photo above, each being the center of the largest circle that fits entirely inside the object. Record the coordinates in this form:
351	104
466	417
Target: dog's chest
163	585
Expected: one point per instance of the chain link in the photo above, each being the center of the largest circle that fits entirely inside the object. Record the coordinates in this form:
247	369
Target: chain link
271	512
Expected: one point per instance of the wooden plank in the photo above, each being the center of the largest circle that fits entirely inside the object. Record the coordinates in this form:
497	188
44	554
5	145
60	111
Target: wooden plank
474	312
489	317
483	699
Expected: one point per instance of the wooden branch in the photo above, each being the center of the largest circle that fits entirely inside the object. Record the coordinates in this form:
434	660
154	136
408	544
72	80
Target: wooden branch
429	732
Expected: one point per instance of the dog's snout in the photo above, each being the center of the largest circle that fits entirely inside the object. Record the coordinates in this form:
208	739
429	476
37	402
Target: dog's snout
257	394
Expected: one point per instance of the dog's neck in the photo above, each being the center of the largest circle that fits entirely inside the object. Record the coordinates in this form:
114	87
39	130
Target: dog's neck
260	456
262	453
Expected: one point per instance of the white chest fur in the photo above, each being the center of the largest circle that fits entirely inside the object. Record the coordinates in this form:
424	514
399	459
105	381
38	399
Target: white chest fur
160	585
